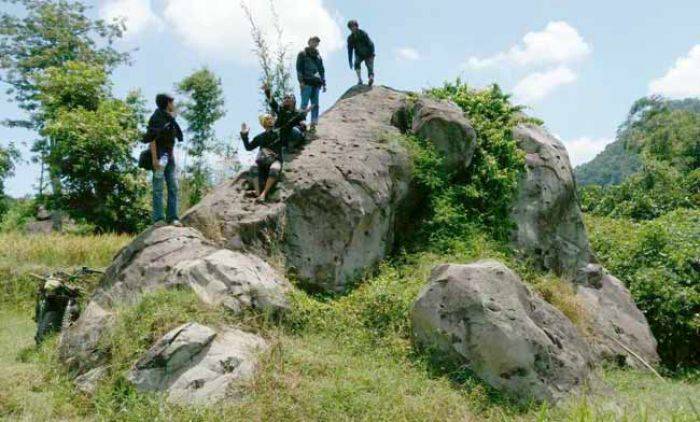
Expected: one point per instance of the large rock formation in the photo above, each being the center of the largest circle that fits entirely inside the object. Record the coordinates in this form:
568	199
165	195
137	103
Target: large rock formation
547	213
482	315
167	256
550	230
334	212
196	365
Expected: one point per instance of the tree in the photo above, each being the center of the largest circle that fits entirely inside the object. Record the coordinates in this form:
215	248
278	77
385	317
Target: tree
8	157
49	34
92	135
203	107
272	56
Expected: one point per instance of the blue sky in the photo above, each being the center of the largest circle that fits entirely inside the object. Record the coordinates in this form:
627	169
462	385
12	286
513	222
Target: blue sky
578	65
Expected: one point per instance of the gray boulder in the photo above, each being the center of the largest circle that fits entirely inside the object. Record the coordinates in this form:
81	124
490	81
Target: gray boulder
236	280
333	215
87	383
195	365
481	315
448	129
617	325
546	211
163	257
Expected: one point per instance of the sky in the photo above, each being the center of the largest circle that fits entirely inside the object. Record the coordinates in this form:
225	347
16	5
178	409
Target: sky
578	65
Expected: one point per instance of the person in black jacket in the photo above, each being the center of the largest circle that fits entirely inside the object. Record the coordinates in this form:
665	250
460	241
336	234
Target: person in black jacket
284	113
312	77
271	154
363	47
162	132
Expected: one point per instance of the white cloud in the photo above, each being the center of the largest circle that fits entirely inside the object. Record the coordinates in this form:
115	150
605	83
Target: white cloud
557	43
138	14
408	53
220	27
538	85
682	80
584	149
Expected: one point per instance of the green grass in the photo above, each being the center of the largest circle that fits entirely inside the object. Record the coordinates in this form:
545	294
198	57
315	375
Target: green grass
333	358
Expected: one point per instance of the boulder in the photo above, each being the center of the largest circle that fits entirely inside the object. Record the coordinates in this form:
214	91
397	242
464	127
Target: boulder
481	315
617	326
79	346
167	256
447	128
332	217
546	211
87	383
196	365
236	280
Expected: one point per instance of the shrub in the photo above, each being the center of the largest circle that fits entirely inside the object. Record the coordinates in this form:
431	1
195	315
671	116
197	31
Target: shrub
659	262
484	193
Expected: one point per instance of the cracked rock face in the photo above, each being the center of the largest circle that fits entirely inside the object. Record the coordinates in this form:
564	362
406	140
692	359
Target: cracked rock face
333	215
481	315
196	365
549	221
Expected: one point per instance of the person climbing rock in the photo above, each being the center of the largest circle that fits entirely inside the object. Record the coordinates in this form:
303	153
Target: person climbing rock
293	136
162	132
363	47
271	154
312	77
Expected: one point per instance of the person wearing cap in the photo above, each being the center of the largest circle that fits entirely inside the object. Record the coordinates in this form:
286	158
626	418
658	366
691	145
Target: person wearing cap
162	132
312	77
271	154
363	47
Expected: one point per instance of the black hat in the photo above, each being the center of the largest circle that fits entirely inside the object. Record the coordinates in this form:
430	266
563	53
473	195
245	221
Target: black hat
314	38
162	100
353	23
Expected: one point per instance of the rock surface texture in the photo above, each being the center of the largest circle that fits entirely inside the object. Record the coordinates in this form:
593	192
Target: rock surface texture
547	213
196	365
550	229
482	315
618	326
333	215
165	257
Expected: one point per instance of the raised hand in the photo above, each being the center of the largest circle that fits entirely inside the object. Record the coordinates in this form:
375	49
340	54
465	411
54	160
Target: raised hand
244	128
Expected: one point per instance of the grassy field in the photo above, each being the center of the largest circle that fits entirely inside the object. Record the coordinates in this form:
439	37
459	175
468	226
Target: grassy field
342	358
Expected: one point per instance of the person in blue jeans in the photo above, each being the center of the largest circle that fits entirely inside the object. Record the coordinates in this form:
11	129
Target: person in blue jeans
312	78
163	131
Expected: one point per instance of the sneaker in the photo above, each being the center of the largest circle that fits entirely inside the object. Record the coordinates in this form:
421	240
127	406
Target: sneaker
176	223
371	81
359	82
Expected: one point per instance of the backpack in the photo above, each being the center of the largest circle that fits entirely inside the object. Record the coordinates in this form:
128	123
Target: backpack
146	160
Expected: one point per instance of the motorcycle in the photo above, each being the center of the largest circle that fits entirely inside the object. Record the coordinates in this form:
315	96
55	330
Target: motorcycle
57	305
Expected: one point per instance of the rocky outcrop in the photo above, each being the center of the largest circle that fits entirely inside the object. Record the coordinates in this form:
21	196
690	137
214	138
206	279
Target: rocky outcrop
546	211
550	231
163	257
481	315
197	365
333	215
619	330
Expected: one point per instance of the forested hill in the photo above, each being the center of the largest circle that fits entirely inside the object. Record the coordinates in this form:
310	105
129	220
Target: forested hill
647	118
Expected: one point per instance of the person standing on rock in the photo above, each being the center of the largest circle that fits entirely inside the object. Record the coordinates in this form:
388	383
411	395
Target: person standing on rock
363	47
162	132
271	154
292	136
312	77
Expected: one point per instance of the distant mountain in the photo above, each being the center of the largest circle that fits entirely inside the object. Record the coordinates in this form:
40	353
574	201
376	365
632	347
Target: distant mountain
613	165
618	161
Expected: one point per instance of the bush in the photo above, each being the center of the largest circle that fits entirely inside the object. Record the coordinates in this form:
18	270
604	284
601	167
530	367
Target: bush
659	260
17	215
